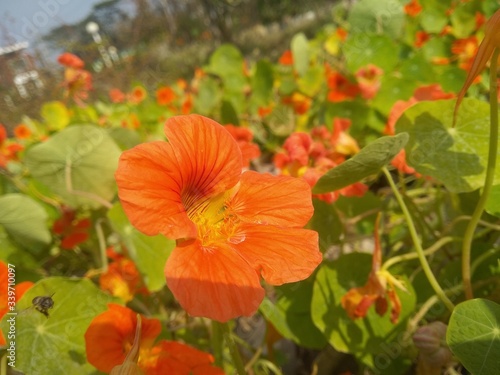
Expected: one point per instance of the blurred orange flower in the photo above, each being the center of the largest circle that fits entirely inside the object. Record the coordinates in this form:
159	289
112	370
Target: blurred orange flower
187	105
110	337
286	58
413	8
165	95
116	96
379	290
421	37
299	102
231	227
137	95
70	61
73	231
369	80
465	50
3	134
243	137
340	88
22	131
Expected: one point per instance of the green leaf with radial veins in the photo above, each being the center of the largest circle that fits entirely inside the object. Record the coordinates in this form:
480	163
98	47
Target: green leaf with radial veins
150	253
55	344
473	336
455	156
77	164
25	220
377	16
365	163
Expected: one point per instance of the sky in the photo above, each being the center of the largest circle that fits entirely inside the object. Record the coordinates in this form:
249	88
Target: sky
28	20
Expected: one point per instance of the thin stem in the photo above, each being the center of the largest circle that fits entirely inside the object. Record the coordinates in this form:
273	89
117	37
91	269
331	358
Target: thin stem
102	244
432	249
418	246
217	343
488	180
233	348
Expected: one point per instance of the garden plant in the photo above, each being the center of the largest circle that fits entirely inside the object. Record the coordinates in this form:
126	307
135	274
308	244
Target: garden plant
345	197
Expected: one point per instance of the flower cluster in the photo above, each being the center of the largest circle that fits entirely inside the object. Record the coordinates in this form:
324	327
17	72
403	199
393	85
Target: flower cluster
311	155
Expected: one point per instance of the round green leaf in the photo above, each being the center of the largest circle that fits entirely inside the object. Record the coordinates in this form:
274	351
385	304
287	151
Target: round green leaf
83	155
473	336
455	156
25	220
262	83
55	114
227	60
300	52
327	223
365	163
374	338
377	16
364	48
150	253
55	344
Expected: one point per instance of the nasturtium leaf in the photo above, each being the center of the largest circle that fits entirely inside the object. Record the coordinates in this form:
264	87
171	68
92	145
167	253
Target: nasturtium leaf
473	336
25	220
262	83
84	156
455	156
493	202
391	90
365	48
355	110
437	48
56	344
368	338
417	68
291	314
281	121
208	98
433	20
377	16
365	163
327	223
149	253
463	19
451	78
55	114
312	81
300	52
228	114
125	138
227	60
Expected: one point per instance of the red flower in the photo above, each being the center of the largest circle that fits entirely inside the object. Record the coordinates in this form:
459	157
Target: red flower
165	95
413	8
113	335
22	131
70	61
369	80
72	231
243	137
340	88
116	96
3	134
421	37
231	228
137	95
286	58
379	290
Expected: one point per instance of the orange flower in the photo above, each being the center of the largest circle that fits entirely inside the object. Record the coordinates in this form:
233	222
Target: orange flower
243	137
187	104
73	231
299	102
137	95
70	61
3	134
77	84
379	290
112	335
490	42
116	96
341	33
369	80
121	279
465	49
340	88
165	95
413	8
421	37
231	228
22	131
286	58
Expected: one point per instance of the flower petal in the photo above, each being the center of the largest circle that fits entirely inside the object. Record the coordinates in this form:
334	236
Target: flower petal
213	282
207	157
274	200
150	193
281	255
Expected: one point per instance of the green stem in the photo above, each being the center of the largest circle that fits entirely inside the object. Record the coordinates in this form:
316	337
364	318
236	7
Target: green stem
488	180
432	249
217	343
233	348
418	246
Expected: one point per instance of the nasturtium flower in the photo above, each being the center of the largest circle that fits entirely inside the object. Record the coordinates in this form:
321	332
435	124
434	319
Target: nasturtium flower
73	230
70	61
413	8
286	58
117	95
3	134
231	227
380	289
165	95
137	95
244	137
22	131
